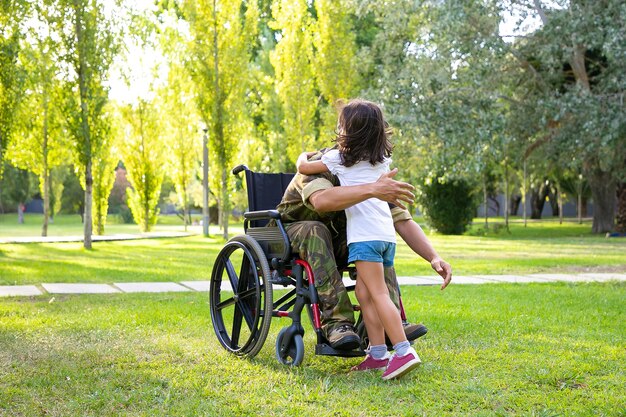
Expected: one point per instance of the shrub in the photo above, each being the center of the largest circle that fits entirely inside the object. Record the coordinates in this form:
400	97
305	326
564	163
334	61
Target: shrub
448	207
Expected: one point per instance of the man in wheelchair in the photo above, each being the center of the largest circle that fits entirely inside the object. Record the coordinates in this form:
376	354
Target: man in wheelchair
312	211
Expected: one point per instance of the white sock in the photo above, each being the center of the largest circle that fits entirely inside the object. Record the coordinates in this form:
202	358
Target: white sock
402	348
378	351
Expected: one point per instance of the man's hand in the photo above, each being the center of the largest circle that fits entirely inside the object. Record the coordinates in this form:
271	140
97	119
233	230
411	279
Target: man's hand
392	191
444	269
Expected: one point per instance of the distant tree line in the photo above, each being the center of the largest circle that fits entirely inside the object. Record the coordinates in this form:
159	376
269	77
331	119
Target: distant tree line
528	112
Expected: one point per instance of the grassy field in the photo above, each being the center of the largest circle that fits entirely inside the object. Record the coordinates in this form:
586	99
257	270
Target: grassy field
498	350
71	225
541	247
492	350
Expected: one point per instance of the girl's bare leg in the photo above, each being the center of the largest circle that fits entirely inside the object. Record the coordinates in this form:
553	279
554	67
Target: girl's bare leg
371	274
374	326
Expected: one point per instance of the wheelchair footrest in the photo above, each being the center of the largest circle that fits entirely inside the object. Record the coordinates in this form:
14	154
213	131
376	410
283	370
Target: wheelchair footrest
327	350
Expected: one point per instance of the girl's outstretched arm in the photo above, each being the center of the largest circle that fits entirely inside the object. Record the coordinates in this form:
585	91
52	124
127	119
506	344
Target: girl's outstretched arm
309	168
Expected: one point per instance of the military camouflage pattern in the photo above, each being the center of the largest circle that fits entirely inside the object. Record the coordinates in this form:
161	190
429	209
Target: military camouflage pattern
320	239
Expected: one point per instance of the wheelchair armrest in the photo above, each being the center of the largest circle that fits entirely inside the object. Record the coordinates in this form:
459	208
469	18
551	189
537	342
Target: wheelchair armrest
262	215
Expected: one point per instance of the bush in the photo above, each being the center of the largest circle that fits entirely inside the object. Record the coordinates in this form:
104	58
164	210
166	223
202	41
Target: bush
448	207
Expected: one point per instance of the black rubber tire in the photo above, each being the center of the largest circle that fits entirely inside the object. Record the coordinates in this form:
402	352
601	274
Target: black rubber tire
250	301
294	354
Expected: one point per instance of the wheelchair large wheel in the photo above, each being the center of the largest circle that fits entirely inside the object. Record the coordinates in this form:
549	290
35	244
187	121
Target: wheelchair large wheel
293	353
241	296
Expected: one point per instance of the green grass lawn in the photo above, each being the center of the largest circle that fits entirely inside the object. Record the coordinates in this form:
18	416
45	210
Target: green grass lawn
71	225
541	247
492	350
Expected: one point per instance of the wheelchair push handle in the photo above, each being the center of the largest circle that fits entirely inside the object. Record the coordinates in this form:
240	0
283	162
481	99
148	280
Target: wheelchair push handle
239	168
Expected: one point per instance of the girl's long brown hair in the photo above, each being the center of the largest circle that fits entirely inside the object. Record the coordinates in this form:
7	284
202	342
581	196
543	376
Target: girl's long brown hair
362	133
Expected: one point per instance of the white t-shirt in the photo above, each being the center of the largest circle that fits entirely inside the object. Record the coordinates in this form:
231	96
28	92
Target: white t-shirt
370	219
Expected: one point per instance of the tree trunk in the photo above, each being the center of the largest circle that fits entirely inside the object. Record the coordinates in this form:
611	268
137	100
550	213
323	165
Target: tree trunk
553	200
560	202
506	197
603	190
20	213
620	223
514	203
45	171
537	200
485	200
87	222
225	208
46	200
84	114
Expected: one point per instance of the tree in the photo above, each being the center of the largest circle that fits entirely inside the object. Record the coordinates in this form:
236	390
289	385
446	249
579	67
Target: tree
104	162
42	145
295	82
12	13
91	42
143	158
580	52
17	187
223	34
334	62
181	138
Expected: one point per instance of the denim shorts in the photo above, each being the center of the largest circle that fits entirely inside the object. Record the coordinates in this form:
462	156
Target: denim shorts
372	251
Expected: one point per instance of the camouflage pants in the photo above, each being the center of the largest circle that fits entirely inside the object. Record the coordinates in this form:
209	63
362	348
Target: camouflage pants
325	249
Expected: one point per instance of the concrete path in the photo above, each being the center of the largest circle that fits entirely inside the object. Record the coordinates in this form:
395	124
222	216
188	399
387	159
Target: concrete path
200	286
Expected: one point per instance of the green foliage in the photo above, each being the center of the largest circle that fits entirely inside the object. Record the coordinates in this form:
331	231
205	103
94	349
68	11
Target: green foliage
73	198
295	81
17	187
12	15
182	138
223	35
104	177
91	39
448	207
144	157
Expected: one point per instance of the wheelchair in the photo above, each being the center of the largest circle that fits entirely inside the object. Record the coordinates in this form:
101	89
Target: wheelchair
247	270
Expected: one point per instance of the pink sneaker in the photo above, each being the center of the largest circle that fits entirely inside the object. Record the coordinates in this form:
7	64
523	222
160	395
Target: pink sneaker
401	365
370	363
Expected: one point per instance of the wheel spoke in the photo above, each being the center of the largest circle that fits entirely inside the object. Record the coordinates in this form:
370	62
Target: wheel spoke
244	274
232	275
225	303
234	339
243	309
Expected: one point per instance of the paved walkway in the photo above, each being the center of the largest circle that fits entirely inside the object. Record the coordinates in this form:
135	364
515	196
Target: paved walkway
186	286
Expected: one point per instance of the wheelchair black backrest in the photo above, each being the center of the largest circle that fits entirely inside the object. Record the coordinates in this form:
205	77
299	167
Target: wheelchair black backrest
264	191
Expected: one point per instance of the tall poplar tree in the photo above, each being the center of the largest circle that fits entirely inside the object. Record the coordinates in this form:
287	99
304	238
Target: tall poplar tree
295	81
91	40
334	61
41	146
144	157
223	35
12	14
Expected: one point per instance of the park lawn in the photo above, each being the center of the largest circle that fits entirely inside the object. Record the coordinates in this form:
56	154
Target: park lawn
541	247
71	225
552	349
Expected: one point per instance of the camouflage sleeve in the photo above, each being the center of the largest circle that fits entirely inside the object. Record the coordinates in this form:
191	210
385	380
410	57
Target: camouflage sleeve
400	214
318	184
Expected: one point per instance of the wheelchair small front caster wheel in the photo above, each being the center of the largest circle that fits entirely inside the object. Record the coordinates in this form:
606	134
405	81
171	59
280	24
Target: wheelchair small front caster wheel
292	353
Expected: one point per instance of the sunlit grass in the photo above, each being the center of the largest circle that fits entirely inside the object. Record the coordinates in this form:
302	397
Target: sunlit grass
503	349
541	247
